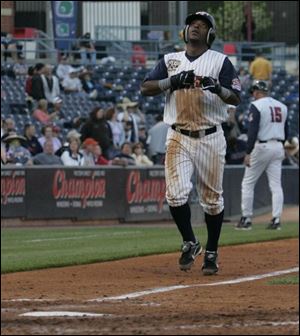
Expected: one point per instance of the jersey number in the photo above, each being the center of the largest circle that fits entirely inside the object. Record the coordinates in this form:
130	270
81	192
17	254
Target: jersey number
276	115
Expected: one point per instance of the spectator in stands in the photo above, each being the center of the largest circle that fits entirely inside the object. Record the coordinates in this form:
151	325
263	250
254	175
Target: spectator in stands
260	68
73	134
9	126
47	132
8	46
143	136
125	158
71	83
98	128
41	113
87	50
235	151
99	158
28	87
140	158
129	120
16	153
50	84
245	79
157	136
230	126
2	126
37	88
139	57
20	68
134	110
64	68
72	156
31	142
88	150
89	86
3	154
291	147
47	157
117	128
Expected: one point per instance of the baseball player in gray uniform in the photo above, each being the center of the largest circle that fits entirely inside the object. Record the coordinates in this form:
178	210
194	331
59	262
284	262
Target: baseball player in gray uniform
268	129
198	84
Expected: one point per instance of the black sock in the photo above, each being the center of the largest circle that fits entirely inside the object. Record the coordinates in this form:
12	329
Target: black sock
182	218
214	225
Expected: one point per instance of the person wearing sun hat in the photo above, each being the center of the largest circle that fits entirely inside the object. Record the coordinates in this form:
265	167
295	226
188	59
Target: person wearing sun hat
16	153
129	119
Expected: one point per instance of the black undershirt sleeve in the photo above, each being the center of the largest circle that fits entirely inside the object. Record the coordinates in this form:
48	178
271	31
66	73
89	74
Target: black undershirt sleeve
254	119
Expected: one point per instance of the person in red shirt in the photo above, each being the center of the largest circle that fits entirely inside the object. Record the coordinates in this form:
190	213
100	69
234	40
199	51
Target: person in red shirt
99	158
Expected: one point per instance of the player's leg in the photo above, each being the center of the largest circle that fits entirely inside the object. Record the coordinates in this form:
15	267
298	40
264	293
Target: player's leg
258	163
274	177
210	169
178	172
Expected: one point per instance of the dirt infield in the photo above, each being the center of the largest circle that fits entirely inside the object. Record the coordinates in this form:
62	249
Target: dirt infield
136	296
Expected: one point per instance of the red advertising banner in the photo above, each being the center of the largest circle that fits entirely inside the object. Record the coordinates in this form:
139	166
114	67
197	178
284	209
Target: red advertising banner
79	193
13	192
145	195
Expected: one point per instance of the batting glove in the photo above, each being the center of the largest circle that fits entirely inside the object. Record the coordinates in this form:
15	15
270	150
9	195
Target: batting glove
183	80
211	84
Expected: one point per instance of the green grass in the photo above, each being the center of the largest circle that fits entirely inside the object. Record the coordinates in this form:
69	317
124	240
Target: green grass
36	248
289	280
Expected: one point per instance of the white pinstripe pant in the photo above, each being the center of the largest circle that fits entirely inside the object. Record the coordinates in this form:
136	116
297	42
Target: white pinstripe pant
205	157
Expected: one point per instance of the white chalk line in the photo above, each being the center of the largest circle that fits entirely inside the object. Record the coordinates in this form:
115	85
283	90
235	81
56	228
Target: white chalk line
167	288
62	314
172	288
134	233
29	300
236	325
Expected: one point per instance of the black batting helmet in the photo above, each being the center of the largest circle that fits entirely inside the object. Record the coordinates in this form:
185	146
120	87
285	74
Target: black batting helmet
259	85
211	35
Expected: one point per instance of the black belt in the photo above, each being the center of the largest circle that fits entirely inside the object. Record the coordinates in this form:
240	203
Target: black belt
265	141
195	134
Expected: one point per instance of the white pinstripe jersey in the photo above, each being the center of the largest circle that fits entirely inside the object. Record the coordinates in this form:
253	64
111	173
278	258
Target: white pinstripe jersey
195	109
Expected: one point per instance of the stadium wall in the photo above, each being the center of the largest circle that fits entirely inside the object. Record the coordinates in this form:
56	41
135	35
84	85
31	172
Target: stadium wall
124	194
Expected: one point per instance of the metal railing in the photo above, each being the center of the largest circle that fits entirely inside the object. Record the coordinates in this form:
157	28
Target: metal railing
43	47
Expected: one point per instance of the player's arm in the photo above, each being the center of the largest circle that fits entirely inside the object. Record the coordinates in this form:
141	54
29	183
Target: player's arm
286	130
254	119
150	88
150	85
158	81
227	87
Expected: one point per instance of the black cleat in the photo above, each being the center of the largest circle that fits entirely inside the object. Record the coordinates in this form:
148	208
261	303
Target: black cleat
210	265
190	251
244	224
274	224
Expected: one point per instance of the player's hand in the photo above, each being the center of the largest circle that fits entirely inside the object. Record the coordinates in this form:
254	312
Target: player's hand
211	84
183	80
247	160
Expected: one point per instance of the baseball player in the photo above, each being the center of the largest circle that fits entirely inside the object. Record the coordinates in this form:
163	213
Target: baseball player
198	84
268	128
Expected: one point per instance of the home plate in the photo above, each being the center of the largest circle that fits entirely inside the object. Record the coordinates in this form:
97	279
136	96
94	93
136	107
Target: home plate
62	314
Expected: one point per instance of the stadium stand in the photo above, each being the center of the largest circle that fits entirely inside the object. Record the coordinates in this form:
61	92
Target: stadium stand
125	82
